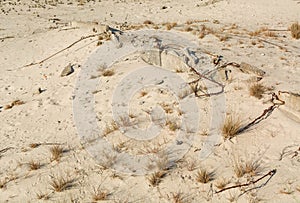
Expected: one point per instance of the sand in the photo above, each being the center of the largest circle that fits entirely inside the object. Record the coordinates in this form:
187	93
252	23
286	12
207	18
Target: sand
123	122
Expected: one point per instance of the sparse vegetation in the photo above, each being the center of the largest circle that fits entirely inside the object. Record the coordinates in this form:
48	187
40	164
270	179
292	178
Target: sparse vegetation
59	184
155	178
108	72
99	195
204	176
109	128
43	196
249	167
173	126
33	165
177	197
231	126
295	30
221	183
56	153
257	90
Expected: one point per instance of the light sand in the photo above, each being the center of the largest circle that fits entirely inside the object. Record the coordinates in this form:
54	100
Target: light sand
32	31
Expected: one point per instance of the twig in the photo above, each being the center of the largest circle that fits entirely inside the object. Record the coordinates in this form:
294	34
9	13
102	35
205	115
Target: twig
203	76
82	38
266	113
279	46
7	37
5	149
288	152
270	173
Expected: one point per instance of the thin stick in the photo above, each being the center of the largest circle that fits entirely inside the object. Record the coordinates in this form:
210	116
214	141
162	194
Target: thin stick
266	113
82	38
270	173
7	37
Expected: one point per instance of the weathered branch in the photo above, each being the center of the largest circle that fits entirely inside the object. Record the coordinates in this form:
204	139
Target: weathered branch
270	173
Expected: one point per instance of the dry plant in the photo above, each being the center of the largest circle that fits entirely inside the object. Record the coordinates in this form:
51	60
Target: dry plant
252	167
295	30
99	195
109	160
33	165
231	126
155	178
14	103
3	183
177	197
143	93
43	196
34	145
258	32
56	153
167	108
109	128
257	90
205	176
169	26
249	167
59	184
108	72
221	183
173	126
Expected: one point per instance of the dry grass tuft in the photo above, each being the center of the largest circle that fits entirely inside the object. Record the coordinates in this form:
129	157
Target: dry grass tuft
173	126
59	184
34	165
249	167
43	196
204	176
257	90
169	26
156	177
177	197
221	183
231	126
56	153
108	72
99	195
113	126
295	30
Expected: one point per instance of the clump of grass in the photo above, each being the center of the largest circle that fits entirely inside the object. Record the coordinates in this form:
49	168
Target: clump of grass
204	176
177	197
257	90
33	165
295	30
231	126
108	72
43	196
173	126
143	93
59	184
155	178
169	26
249	167
56	152
99	195
221	183
110	128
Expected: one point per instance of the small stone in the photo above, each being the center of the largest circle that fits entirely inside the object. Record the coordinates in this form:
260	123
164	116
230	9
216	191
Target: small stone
67	70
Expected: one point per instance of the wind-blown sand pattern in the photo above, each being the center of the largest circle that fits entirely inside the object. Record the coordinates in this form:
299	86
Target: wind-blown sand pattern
125	101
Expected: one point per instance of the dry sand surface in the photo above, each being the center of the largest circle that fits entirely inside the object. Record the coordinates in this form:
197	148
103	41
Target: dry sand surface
63	60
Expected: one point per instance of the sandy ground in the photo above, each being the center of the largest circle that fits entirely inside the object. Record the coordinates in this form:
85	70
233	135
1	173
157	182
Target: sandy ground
37	111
